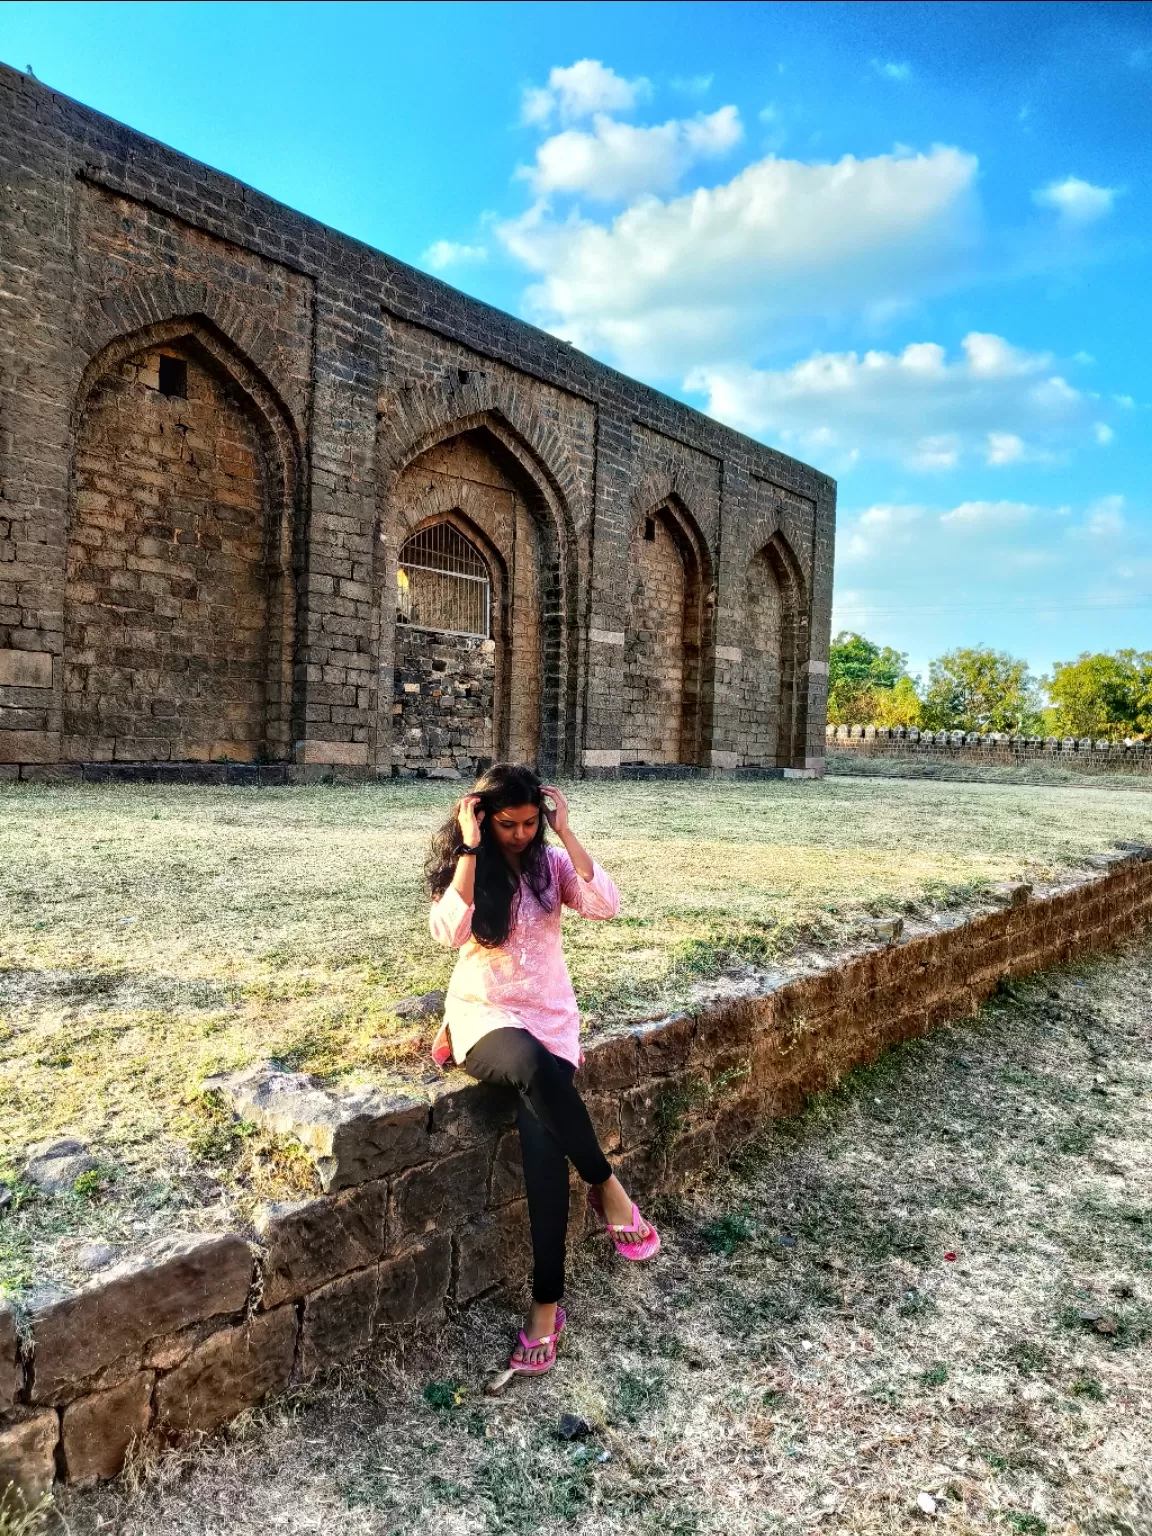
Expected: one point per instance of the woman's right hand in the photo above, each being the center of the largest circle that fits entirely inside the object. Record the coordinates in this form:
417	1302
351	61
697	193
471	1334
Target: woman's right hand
470	816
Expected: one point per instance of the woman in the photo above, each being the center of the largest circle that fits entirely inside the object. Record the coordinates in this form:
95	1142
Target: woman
511	1017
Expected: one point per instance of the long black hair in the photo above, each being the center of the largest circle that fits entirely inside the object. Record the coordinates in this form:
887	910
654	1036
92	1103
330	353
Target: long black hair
497	885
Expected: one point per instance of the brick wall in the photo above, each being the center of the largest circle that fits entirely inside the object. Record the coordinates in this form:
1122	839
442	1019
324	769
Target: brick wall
364	397
969	748
425	1203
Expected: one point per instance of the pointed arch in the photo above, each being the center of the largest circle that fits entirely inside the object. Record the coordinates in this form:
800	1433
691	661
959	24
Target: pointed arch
183	537
773	717
478	468
667	638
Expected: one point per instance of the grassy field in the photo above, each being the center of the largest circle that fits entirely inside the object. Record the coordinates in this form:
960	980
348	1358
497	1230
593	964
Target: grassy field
1050	774
933	1291
153	936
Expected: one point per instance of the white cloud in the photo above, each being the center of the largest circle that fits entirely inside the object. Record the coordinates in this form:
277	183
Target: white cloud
1076	201
667	284
1004	448
1104	519
692	85
581	90
996	401
450	253
1103	433
889	70
980	516
619	161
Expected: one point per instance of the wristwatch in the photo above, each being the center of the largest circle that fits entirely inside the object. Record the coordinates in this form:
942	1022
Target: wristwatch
464	848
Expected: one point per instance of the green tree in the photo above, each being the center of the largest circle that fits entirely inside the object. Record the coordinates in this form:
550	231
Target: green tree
977	689
861	675
1102	694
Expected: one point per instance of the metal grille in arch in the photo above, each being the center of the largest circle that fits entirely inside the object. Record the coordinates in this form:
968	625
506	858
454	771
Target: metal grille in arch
442	584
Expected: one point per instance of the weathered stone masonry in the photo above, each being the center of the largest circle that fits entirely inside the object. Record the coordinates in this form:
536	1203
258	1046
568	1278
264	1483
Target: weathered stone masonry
221	426
424	1202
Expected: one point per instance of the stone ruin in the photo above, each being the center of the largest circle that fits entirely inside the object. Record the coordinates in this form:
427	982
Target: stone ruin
275	506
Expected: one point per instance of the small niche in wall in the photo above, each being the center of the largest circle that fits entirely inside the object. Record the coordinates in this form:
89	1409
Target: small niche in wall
650	530
173	377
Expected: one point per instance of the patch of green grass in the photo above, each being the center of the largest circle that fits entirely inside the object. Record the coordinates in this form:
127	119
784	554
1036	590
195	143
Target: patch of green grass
443	1396
1029	1357
1089	1387
639	1392
725	1233
936	1375
1027	1525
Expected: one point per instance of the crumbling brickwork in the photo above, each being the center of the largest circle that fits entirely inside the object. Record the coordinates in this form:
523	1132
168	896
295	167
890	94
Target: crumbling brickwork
222	422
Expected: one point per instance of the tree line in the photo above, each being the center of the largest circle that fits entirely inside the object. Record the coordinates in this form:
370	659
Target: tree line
974	688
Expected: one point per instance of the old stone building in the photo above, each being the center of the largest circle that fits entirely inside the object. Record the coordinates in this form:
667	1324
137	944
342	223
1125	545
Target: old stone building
273	504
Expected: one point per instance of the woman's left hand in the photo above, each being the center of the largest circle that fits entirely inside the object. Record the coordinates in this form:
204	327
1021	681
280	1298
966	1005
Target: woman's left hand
557	814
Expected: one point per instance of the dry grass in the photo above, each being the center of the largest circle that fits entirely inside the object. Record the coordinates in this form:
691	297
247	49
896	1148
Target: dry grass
927	767
153	936
804	1356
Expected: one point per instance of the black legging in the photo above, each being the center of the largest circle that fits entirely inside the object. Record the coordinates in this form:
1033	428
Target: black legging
554	1127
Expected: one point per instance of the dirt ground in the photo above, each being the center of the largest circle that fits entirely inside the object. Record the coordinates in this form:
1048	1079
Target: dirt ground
927	1301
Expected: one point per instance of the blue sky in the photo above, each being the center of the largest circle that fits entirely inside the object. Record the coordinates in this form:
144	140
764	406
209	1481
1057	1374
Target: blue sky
908	243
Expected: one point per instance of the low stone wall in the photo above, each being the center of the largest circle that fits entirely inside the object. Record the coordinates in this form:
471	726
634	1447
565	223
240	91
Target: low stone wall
424	1202
1083	755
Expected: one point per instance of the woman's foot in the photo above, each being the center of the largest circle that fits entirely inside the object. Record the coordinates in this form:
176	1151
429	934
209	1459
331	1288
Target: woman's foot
540	1324
616	1204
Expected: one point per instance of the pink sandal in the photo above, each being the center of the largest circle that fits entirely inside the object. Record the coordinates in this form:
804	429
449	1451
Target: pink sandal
645	1248
538	1367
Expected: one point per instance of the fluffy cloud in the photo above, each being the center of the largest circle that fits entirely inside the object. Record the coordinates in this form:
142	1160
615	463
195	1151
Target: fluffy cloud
1104	519
997	402
579	91
669	283
889	70
1076	201
980	516
619	161
442	254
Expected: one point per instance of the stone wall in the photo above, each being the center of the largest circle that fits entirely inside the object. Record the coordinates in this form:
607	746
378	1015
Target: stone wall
424	1204
960	747
212	576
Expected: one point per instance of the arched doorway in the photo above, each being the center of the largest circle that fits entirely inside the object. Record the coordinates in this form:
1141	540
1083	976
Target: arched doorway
179	610
446	664
476	482
771	723
664	640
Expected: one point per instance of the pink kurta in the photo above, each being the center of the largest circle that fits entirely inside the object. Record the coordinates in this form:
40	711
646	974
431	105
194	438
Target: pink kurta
524	984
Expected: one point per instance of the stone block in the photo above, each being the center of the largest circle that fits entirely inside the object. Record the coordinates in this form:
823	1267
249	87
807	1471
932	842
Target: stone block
353	1137
494	1250
691	1157
507	1181
339	1320
609	1065
348	754
438	1196
25	669
310	1243
28	1455
230	1371
11	1374
29	746
472	1112
175	1282
639	1113
664	1044
344	1317
415	1284
97	1431
604	1111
